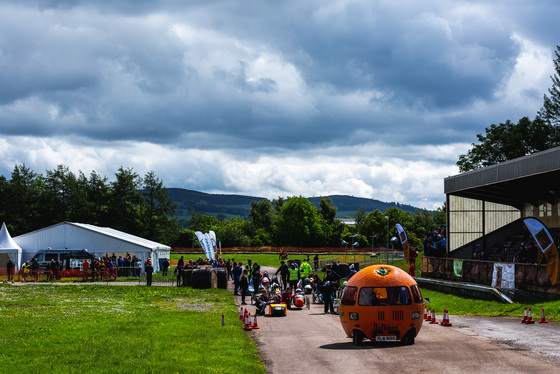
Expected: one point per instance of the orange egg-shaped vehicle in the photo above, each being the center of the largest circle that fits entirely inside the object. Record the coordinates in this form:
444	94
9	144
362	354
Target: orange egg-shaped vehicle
381	303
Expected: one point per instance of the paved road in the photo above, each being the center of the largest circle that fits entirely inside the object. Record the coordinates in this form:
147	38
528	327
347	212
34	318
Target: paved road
308	341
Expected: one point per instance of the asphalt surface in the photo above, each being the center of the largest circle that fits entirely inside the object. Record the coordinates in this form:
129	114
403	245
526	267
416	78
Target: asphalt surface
310	341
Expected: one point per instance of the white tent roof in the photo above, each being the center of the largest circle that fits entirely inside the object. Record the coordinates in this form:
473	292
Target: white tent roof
93	238
9	246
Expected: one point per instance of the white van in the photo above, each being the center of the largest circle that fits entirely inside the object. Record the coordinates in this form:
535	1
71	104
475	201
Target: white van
44	256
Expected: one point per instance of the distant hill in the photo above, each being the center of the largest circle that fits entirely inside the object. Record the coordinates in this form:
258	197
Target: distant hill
225	206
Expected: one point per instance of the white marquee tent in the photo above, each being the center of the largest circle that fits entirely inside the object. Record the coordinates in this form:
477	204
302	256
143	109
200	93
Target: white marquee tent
9	248
99	241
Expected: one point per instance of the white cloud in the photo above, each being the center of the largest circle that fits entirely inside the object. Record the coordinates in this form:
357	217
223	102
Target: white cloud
374	99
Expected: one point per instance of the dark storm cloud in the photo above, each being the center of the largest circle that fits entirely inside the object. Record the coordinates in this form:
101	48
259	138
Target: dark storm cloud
259	79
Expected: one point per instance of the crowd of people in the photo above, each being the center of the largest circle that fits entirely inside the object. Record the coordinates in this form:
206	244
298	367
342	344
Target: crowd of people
285	285
108	267
435	244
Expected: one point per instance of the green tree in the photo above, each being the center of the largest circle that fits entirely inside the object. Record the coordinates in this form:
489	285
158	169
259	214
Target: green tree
550	112
158	210
327	210
440	216
231	233
24	203
60	185
98	193
125	201
423	222
360	218
299	224
375	225
202	222
262	215
507	141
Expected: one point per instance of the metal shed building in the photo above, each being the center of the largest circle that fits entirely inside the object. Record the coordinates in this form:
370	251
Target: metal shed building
485	207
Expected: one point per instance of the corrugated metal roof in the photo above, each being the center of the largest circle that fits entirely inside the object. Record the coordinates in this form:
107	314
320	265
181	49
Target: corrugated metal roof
526	179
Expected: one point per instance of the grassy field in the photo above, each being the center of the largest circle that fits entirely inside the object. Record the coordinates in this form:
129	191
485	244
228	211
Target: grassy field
122	329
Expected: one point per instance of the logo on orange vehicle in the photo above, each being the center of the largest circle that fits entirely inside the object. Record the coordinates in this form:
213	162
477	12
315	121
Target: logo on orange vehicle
382	271
384	328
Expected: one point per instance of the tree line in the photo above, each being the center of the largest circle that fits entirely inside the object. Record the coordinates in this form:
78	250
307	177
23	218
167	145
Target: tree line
296	222
140	205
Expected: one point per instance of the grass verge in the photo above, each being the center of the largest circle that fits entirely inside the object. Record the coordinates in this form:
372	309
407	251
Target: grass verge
120	329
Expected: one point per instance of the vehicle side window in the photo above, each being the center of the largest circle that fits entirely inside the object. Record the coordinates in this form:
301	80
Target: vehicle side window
349	296
50	256
38	256
416	294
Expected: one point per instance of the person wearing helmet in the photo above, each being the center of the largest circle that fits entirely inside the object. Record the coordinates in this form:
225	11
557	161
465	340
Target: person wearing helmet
352	271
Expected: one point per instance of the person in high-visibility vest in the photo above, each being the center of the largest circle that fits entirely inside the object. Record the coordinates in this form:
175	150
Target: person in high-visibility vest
305	270
293	276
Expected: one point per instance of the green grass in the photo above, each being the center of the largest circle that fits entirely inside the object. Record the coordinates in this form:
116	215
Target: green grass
120	329
462	305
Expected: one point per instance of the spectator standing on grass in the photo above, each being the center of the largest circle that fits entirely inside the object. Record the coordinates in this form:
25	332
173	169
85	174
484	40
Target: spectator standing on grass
149	269
228	269
35	270
26	270
120	265
316	262
85	270
178	274
126	264
244	283
164	267
237	271
10	269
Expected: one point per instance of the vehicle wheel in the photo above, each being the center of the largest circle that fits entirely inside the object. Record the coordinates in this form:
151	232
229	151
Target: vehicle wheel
357	337
408	339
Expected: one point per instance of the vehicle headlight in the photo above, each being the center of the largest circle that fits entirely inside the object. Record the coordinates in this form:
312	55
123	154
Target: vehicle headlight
415	315
353	316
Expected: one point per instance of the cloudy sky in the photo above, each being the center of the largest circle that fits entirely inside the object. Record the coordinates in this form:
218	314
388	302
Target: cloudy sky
367	98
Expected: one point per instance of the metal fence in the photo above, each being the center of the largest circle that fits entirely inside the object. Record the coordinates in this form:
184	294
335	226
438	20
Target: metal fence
481	272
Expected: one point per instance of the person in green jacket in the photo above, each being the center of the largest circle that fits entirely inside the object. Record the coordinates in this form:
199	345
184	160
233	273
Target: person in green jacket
305	270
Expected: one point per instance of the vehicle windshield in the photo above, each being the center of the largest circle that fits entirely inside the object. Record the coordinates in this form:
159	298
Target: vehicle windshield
379	296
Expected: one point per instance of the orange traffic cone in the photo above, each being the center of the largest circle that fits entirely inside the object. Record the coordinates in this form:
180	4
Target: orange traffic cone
428	317
223	320
241	314
433	317
524	316
445	321
530	320
247	325
425	313
543	320
255	324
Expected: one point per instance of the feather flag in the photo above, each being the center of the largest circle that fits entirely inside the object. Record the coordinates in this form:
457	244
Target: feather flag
206	243
547	246
404	241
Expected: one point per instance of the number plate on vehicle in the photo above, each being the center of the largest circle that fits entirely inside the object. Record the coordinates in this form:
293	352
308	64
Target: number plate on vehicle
384	338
